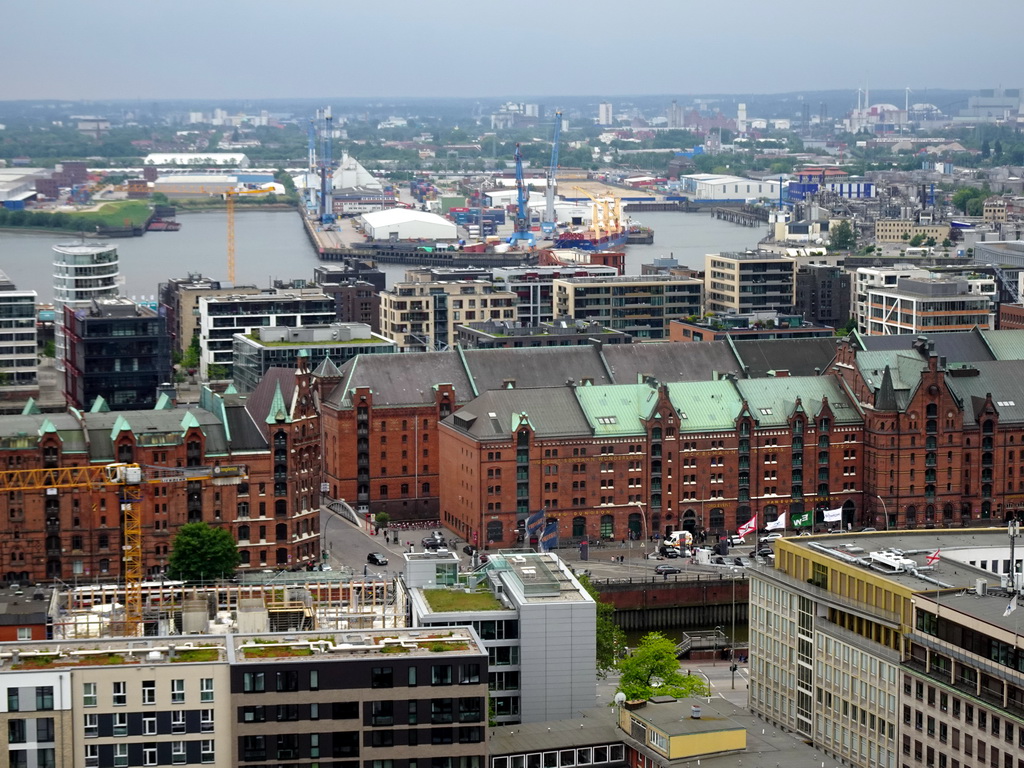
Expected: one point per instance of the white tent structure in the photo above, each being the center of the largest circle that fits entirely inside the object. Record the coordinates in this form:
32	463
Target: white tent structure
403	224
350	174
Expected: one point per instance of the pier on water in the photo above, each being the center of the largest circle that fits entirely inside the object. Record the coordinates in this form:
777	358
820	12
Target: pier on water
747	216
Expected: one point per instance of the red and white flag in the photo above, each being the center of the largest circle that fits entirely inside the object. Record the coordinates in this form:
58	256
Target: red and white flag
748	527
933	558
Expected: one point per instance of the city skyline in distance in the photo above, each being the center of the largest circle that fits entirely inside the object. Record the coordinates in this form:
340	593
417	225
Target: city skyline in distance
117	49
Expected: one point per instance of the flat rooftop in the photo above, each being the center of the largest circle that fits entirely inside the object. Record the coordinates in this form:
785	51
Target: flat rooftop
965	554
268	646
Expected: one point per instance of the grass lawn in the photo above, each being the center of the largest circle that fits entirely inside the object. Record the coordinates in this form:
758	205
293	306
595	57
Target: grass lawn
444	600
114	214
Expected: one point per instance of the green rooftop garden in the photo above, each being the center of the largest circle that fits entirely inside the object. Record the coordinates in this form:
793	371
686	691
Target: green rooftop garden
447	600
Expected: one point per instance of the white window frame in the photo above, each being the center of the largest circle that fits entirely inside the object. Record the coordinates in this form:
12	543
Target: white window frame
120	726
91	726
206	751
178	721
24	633
178	691
92	755
120	755
206	689
149	692
149	754
119	693
178	756
149	724
206	721
89	695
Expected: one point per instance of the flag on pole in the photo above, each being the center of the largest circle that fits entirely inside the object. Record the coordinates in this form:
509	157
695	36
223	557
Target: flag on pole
779	524
748	527
834	515
550	538
1012	606
933	558
802	520
535	523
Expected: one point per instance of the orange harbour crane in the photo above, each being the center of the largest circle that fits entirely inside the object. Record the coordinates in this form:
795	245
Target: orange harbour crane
229	198
128	479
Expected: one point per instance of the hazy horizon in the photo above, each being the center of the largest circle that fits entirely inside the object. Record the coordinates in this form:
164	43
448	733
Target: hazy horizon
123	50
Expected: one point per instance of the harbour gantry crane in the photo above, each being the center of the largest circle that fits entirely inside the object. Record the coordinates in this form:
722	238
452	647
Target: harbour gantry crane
522	233
547	226
128	479
606	212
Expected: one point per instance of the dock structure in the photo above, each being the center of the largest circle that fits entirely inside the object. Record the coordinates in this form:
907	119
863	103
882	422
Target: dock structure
747	216
684	206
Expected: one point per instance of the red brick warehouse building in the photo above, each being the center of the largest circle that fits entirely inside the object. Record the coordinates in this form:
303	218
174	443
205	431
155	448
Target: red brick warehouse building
74	534
608	462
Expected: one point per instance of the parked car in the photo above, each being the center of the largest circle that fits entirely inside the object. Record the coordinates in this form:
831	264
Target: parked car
376	558
868	530
432	542
469	549
773	536
762	552
735	541
668	552
742	562
665	569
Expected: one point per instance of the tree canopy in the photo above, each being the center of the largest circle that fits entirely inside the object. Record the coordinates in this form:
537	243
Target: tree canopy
653	670
201	553
842	237
610	637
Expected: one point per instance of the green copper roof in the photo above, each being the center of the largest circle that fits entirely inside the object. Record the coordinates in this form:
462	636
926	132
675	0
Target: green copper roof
163	403
1005	345
46	426
230	389
31	408
189	421
617	409
120	423
277	411
772	401
99	405
705	405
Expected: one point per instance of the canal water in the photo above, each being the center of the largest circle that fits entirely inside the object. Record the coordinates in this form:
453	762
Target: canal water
271	245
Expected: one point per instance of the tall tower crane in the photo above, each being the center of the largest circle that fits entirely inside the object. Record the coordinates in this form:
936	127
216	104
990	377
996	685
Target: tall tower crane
128	479
326	167
229	198
547	226
522	233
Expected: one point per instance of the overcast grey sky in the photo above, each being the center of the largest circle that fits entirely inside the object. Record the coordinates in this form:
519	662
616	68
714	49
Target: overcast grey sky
131	49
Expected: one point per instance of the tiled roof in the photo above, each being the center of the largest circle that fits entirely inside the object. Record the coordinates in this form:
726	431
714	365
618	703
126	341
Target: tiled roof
551	411
801	357
773	400
961	347
536	367
670	361
617	409
705	405
1003	379
403	379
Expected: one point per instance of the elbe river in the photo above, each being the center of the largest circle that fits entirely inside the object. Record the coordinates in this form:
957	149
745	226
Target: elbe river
271	245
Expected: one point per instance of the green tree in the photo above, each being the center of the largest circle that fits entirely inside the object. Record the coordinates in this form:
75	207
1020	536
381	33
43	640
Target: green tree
930	242
997	149
50	349
842	238
986	151
976	206
653	669
200	552
159	198
947	243
917	240
611	640
190	357
381	519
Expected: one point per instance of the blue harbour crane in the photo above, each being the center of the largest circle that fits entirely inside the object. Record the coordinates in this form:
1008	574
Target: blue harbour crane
522	233
547	226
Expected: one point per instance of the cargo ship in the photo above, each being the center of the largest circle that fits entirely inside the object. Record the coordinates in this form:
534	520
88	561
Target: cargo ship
590	240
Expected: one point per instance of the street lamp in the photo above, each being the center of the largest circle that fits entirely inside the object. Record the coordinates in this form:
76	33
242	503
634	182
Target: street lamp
885	512
718	631
732	640
1013	530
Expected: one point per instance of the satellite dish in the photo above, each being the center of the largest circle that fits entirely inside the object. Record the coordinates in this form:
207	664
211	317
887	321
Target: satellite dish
620	699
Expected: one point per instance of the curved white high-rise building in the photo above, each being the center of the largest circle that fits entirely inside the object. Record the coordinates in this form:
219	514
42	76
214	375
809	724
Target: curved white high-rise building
81	273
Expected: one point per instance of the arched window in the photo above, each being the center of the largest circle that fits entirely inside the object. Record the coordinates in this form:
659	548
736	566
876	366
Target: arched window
635	526
607	527
243	533
716	519
280	508
281	532
656	433
282	556
771	512
579	527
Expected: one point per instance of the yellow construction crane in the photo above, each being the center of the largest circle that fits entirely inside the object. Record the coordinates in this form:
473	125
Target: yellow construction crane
229	197
129	479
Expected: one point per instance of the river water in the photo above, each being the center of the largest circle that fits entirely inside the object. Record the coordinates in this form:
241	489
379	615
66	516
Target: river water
271	245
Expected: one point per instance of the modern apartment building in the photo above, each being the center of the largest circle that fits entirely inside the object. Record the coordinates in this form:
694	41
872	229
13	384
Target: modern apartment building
19	353
422	317
81	273
889	649
823	294
741	283
180	298
401	697
642	306
116	350
278	347
221	317
536	625
925	305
